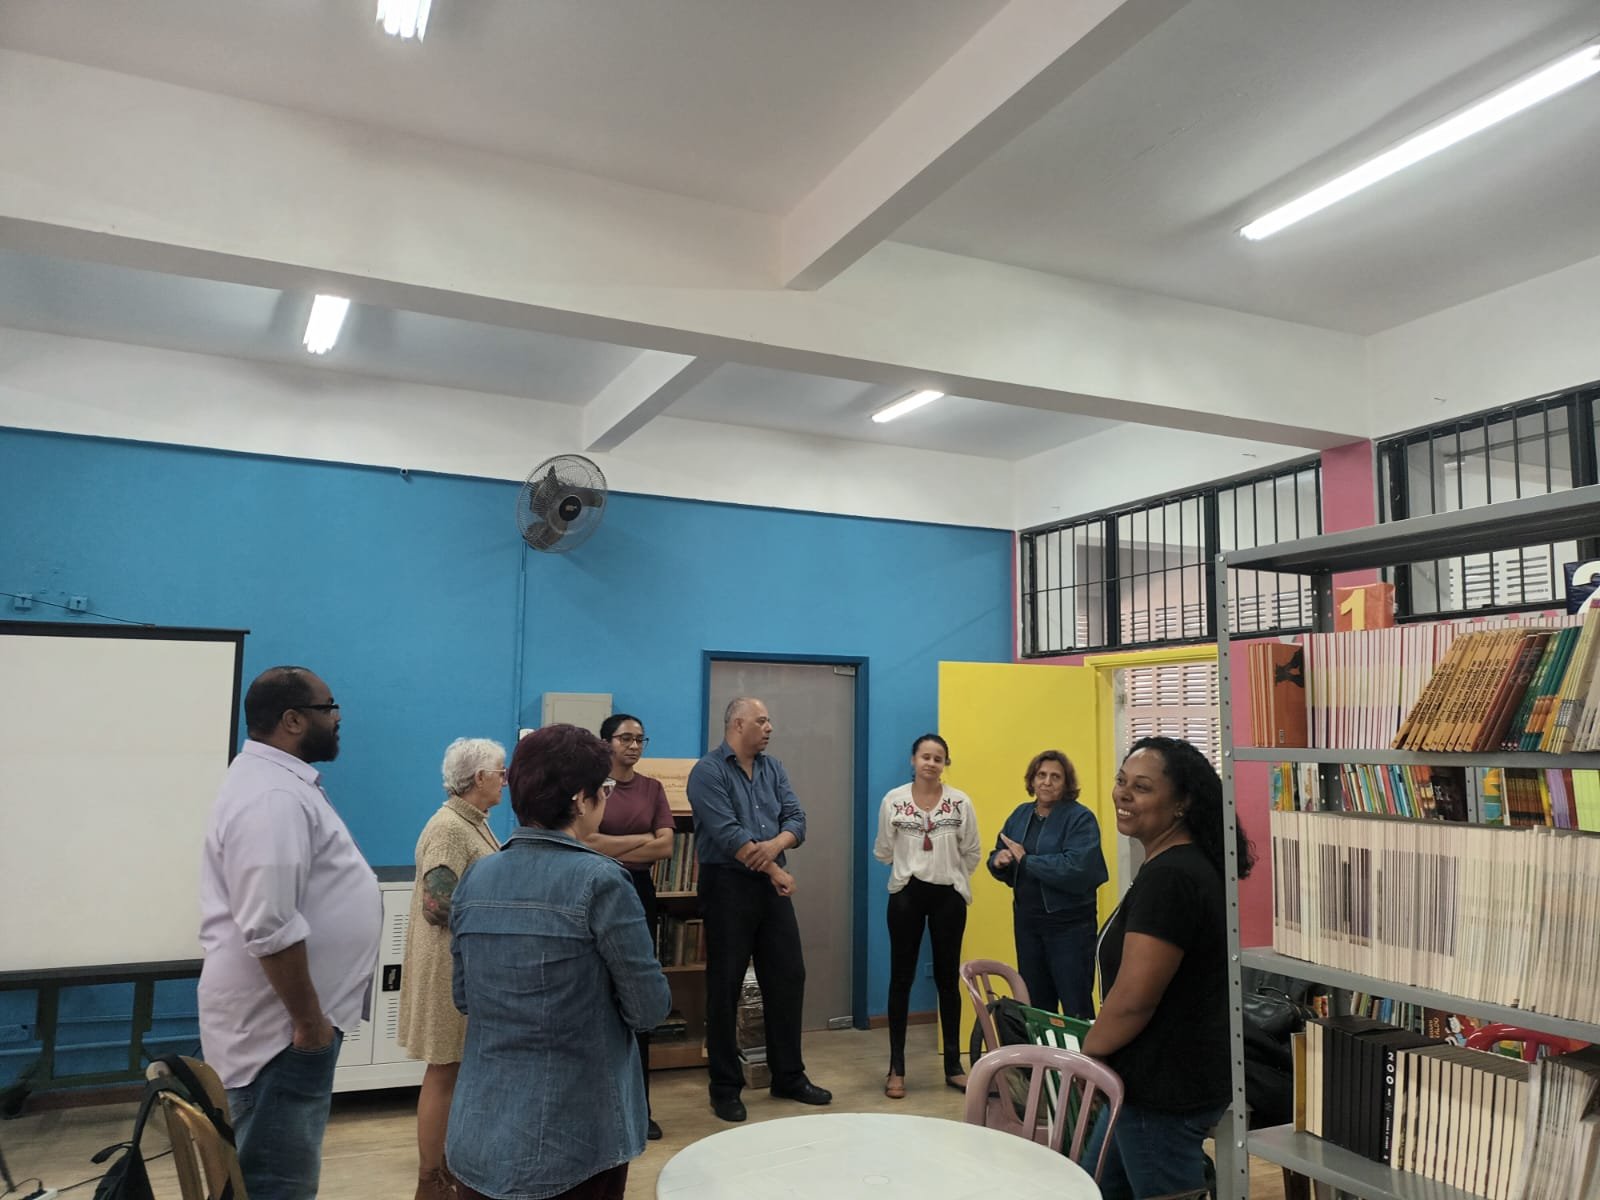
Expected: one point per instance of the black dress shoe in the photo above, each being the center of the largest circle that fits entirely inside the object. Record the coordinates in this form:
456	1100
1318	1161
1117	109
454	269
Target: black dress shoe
653	1133
730	1108
805	1092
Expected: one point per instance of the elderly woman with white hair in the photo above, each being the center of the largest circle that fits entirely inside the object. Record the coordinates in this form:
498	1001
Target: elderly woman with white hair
431	1029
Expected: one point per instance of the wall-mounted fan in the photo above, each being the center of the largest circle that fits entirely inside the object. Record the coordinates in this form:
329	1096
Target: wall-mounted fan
561	503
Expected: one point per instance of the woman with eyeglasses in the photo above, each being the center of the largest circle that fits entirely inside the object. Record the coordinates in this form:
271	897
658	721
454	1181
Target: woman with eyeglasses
637	831
455	837
1049	856
928	834
555	971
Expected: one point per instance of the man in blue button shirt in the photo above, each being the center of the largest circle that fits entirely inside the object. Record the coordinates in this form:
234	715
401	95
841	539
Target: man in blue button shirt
745	816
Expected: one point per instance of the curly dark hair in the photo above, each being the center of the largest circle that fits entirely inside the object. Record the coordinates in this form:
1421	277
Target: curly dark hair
1196	780
932	737
552	765
1070	792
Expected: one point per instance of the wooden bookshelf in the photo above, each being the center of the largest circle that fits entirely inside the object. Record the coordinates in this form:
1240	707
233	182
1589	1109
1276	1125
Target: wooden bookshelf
1507	526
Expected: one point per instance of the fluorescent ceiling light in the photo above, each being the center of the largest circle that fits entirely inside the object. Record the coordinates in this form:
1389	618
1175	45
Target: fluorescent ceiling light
322	329
404	18
1541	85
906	404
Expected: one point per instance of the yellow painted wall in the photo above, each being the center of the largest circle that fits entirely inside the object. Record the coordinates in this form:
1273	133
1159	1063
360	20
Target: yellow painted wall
997	716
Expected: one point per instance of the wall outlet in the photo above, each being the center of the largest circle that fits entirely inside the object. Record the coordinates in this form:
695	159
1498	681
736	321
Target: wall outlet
77	604
43	1193
23	602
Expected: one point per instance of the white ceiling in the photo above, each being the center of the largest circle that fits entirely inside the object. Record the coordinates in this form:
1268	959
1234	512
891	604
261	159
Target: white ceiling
747	102
55	295
1140	178
203	316
808	405
1233	106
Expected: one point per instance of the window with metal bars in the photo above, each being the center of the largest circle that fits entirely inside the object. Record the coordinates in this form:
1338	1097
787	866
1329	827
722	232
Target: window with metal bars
1144	575
1531	448
1177	700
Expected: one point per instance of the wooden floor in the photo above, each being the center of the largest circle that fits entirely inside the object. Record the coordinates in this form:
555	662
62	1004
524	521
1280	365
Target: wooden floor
371	1145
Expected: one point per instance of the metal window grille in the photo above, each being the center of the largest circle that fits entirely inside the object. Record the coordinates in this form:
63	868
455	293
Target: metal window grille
1527	449
1176	700
1144	574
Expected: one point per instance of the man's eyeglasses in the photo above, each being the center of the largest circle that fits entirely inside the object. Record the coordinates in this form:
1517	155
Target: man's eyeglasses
328	707
631	739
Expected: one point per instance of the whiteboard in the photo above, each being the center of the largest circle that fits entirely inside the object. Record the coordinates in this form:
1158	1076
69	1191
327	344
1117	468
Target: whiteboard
112	746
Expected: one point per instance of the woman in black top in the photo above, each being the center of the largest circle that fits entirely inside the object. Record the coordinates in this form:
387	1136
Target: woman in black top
1163	1023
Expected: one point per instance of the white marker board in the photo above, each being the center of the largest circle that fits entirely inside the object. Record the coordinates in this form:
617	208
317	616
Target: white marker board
113	742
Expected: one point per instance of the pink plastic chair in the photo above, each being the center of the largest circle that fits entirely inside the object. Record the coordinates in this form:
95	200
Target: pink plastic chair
1078	1073
978	976
1490	1035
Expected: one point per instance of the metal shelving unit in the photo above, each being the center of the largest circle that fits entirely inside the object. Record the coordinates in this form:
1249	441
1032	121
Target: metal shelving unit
1509	526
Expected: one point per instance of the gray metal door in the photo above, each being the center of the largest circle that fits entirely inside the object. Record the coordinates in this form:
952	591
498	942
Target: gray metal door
813	710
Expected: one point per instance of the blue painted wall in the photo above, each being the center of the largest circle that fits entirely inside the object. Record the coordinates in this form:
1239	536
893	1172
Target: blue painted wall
403	593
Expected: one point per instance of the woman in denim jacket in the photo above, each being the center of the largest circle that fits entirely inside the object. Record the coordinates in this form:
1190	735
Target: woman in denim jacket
553	966
1049	855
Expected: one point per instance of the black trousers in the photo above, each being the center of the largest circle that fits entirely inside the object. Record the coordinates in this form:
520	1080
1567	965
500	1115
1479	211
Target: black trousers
646	888
745	919
940	909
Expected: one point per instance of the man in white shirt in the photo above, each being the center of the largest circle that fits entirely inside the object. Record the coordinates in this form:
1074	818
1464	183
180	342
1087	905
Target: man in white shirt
290	918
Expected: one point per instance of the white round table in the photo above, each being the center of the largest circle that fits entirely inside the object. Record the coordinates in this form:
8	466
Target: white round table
871	1156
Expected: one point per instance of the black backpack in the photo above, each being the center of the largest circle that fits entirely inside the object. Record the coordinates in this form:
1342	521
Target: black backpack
127	1179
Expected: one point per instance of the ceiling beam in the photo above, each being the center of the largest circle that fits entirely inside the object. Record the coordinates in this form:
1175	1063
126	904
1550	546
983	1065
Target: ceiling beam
1024	62
201	185
642	391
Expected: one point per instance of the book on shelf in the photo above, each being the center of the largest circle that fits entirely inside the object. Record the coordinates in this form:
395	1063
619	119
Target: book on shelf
681	871
1503	916
1562	1135
681	941
1559	797
1519	681
1407	1100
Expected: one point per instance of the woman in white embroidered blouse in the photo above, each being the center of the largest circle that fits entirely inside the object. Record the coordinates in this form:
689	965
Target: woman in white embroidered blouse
928	833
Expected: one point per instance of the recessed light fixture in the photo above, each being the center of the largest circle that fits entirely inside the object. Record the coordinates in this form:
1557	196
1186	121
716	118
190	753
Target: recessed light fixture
327	316
906	404
404	19
1541	85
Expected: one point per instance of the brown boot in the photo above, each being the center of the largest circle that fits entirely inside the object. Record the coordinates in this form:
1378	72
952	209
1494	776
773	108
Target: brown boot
435	1184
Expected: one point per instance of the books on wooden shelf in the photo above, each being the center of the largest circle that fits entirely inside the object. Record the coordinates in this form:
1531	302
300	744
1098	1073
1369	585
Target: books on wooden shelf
681	872
1360	687
681	941
1502	916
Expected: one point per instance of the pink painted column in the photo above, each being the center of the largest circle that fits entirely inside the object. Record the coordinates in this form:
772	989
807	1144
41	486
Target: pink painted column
1349	501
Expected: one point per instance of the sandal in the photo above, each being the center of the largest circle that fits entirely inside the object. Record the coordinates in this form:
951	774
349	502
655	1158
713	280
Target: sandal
894	1086
959	1082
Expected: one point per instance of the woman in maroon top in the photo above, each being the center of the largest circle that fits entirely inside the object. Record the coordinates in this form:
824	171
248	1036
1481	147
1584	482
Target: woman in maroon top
637	831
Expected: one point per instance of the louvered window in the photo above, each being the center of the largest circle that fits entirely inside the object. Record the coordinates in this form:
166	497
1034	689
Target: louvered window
1177	700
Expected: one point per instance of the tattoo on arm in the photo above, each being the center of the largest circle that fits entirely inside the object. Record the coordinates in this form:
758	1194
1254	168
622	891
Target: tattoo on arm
438	886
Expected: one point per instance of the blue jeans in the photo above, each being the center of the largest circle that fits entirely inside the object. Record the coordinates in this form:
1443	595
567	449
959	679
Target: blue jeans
1055	958
279	1118
1152	1153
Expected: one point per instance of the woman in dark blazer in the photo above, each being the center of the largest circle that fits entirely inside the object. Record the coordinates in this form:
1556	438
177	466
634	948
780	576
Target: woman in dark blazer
1049	855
